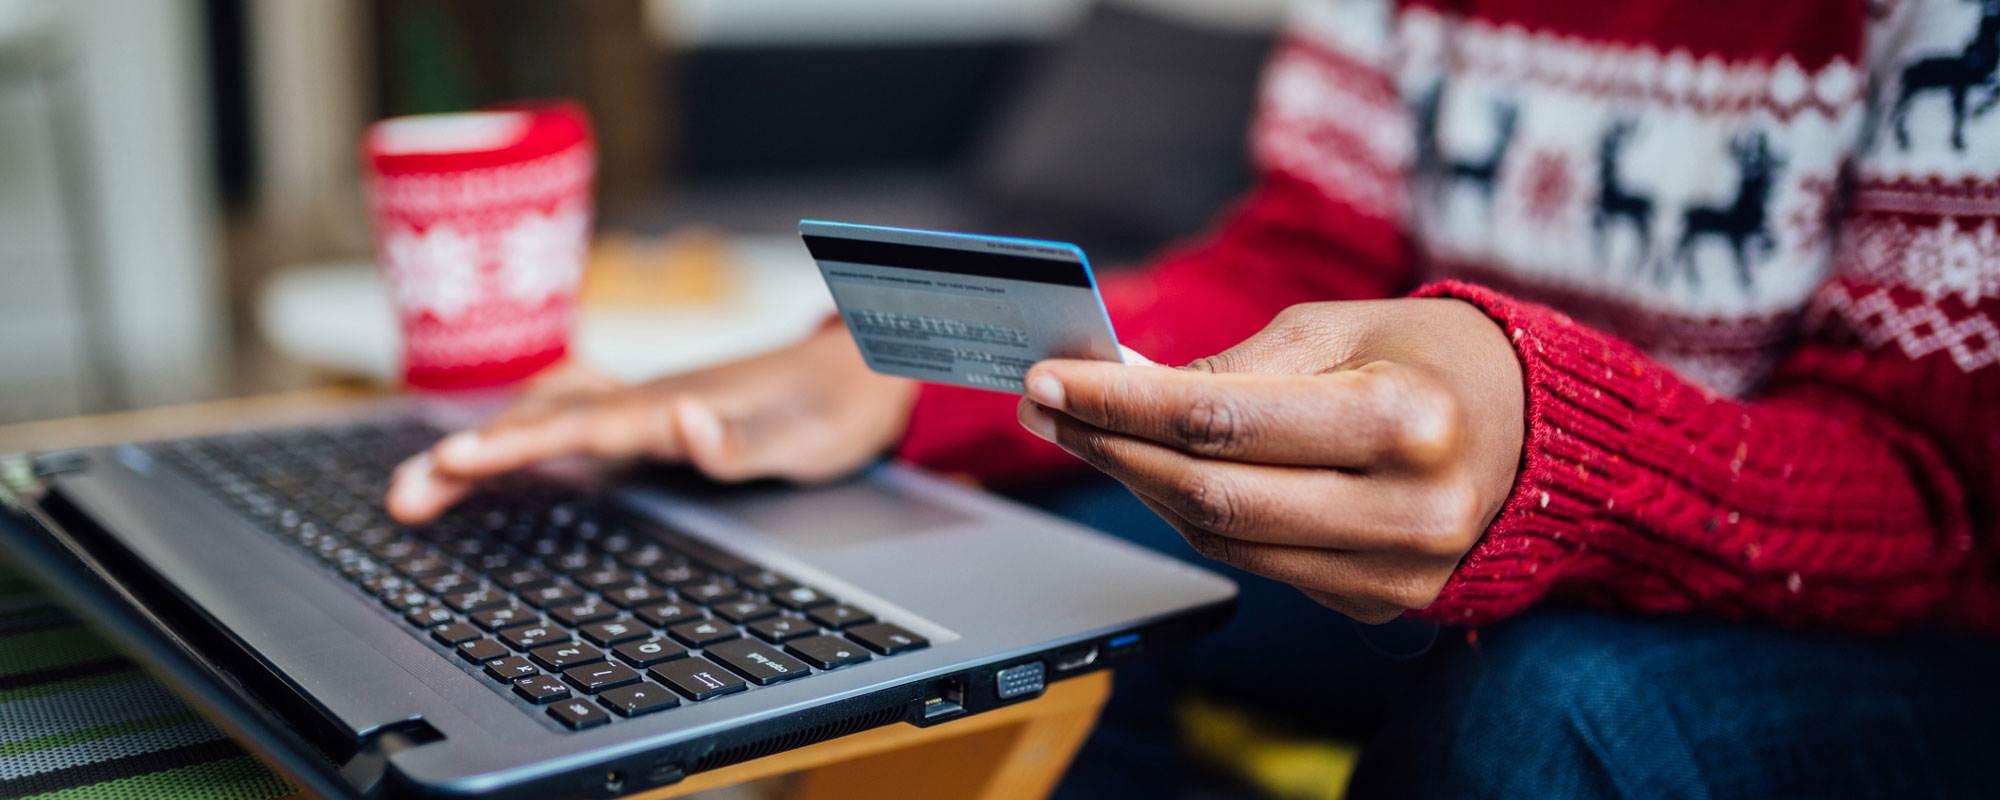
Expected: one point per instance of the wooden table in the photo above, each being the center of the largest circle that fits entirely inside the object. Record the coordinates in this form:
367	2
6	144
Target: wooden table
1020	751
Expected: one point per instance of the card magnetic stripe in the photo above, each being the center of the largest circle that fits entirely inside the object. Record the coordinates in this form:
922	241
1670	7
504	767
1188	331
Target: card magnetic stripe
949	260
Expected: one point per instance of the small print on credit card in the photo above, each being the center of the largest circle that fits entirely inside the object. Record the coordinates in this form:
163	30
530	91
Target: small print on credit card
958	308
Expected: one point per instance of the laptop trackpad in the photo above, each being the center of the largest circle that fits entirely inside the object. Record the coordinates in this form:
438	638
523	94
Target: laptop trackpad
825	517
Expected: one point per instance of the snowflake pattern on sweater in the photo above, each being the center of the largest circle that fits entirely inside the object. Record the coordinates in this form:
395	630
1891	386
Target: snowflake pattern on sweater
1749	255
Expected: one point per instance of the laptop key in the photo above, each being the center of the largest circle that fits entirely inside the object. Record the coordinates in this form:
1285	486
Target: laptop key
745	610
578	714
550	595
647	652
406	599
613	631
427	615
422	566
481	650
598	580
497	618
532	635
644	556
582	612
634	595
454	633
540	689
448	582
697	677
757	661
777	630
839	616
594	678
704	632
575	561
676	573
520	579
800	598
669	614
764	580
383	584
475	600
887	639
506	668
559	657
638	698
397	550
710	592
827	652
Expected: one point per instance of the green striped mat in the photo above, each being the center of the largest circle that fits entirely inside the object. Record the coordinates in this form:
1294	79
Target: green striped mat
78	720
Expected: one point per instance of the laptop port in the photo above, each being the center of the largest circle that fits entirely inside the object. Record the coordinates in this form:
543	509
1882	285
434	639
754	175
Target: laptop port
1076	658
946	699
614	781
1020	680
1123	646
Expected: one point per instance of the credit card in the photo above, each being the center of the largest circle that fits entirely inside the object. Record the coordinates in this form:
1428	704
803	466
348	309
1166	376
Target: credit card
958	308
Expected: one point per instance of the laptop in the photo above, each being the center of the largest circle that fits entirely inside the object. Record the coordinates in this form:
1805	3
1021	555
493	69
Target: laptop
571	633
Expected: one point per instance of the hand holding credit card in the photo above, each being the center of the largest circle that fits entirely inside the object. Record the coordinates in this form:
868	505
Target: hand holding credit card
958	308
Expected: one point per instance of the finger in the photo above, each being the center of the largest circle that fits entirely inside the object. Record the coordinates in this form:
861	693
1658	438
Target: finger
781	442
418	493
1302	339
555	387
616	425
1365	586
1380	413
706	440
1283	505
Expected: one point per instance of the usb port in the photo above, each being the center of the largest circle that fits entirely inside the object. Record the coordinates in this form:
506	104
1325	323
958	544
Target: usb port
947	698
1122	646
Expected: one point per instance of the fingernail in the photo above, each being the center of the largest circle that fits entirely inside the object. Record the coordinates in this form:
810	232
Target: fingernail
460	446
1038	421
1045	389
700	426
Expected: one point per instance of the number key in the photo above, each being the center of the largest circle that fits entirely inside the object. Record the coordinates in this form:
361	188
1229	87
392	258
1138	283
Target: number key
559	657
526	637
648	652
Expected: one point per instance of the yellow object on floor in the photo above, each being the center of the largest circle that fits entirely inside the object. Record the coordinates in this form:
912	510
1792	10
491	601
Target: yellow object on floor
1282	766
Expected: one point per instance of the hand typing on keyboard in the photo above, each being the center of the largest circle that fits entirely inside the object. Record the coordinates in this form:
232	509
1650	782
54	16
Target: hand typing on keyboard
809	412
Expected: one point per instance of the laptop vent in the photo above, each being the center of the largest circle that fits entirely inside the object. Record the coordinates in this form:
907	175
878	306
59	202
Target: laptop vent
795	739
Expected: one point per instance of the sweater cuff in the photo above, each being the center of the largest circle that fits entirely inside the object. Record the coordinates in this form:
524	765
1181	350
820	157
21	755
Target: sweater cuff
1574	380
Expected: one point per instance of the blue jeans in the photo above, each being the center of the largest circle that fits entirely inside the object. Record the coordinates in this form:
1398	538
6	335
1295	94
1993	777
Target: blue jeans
1556	703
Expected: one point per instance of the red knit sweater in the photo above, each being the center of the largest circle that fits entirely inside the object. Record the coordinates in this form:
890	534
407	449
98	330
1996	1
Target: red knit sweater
1751	272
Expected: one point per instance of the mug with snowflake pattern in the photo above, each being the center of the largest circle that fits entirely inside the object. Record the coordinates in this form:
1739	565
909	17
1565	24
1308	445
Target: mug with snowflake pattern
482	225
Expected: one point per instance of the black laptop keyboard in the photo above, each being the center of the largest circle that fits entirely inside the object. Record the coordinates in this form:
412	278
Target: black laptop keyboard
548	590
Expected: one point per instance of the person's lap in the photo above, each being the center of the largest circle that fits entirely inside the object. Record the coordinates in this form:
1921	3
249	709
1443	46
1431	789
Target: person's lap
1558	702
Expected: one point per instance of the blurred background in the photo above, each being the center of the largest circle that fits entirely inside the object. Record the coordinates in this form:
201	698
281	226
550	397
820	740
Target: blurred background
182	218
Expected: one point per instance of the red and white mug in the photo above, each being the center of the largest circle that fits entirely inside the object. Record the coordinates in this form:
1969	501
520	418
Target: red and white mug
482	224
